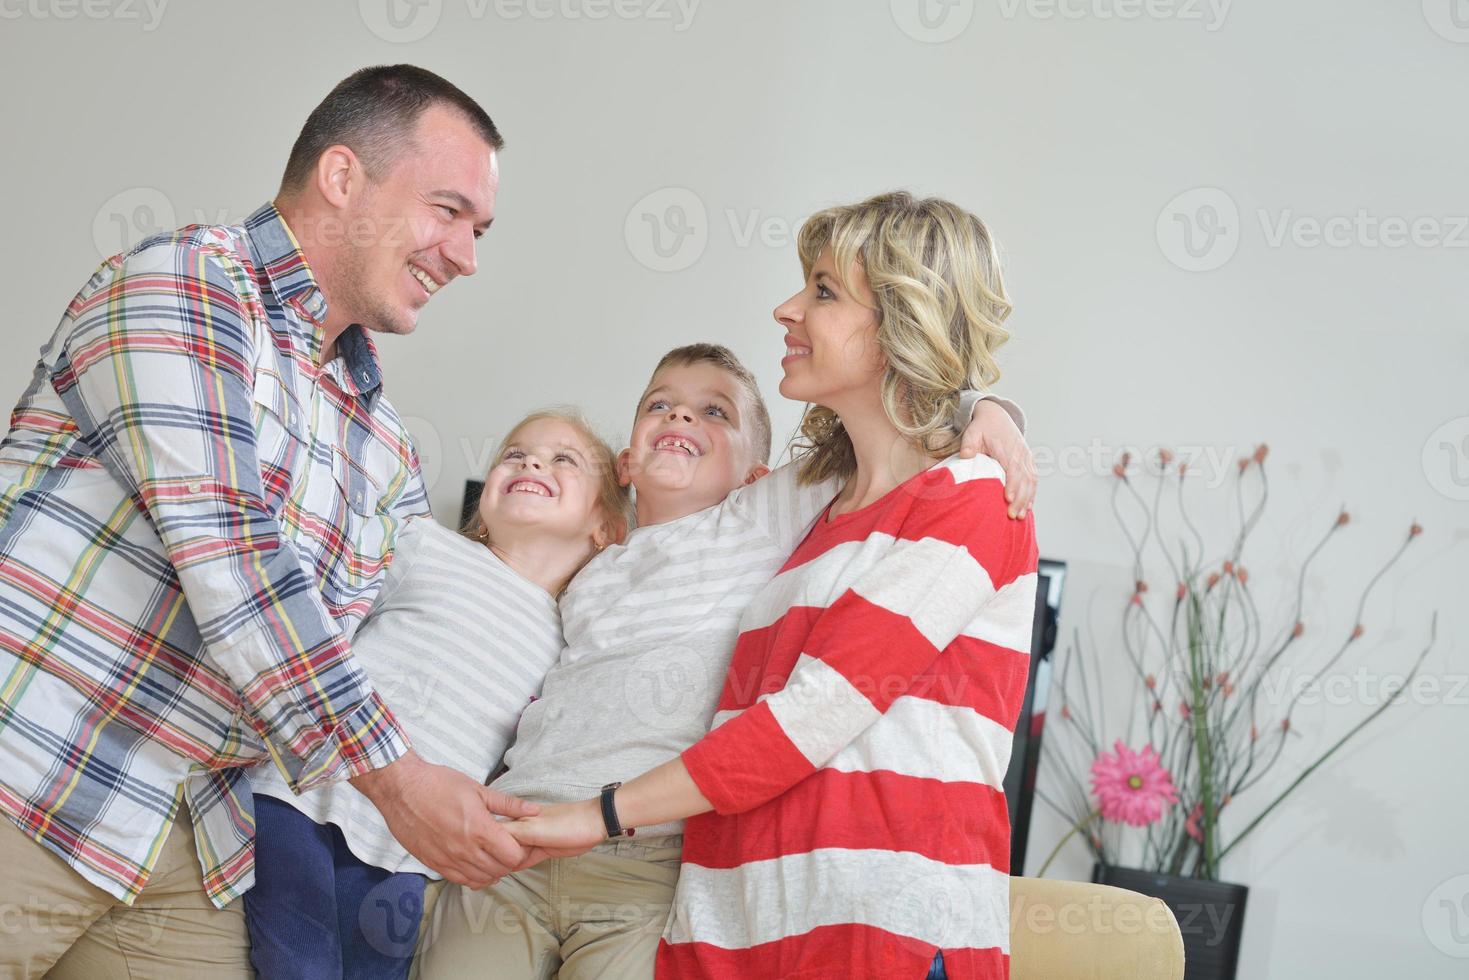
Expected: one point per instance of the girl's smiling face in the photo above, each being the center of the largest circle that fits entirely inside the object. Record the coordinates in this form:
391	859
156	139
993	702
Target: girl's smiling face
831	338
547	480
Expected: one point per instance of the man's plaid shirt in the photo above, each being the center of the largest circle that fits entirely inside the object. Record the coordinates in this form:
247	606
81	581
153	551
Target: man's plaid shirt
194	518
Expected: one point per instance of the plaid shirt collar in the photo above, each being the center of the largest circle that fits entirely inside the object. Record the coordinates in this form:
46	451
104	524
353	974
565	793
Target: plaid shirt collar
281	269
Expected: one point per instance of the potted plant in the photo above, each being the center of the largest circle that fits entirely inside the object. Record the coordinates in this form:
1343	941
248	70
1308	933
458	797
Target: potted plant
1207	704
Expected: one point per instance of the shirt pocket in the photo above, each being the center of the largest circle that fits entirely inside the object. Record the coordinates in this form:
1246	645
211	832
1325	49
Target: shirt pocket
279	438
366	528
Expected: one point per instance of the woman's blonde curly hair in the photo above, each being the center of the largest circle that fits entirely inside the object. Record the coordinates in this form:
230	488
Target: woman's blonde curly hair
941	303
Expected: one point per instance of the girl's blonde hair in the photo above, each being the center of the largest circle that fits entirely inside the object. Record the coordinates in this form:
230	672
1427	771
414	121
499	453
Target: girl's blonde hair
935	271
614	499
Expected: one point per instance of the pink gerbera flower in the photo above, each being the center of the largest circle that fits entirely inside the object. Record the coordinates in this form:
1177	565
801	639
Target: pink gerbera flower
1132	787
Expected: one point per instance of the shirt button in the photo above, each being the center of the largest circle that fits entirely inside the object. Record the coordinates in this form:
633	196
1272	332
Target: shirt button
357	498
195	486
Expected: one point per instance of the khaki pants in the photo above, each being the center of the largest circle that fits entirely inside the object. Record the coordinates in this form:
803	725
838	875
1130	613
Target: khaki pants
52	919
594	917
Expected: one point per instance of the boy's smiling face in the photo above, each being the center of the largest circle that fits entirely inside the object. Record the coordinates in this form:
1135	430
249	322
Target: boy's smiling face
689	446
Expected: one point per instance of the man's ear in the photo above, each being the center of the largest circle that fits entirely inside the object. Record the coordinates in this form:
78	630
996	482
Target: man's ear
756	472
624	467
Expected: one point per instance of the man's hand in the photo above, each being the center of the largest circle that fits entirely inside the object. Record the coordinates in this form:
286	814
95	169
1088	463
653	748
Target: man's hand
561	830
446	820
992	432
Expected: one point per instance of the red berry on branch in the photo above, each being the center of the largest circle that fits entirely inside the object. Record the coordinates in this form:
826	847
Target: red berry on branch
1300	629
1261	452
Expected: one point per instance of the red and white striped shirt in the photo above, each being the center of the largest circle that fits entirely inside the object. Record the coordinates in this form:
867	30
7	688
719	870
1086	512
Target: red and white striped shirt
857	761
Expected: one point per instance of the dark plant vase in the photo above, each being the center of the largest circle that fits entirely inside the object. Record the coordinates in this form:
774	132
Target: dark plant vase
1210	914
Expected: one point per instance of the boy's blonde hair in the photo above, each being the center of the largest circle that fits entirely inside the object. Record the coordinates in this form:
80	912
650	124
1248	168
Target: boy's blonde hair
935	271
757	418
612	497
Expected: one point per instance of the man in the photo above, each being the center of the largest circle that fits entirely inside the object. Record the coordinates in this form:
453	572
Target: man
198	492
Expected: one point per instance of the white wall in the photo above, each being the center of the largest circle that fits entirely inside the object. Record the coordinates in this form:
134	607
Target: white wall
1069	134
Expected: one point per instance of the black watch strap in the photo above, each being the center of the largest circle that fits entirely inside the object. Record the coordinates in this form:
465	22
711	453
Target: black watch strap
609	813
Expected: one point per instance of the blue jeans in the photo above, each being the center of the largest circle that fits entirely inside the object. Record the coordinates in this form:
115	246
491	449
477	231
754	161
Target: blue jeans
936	972
318	912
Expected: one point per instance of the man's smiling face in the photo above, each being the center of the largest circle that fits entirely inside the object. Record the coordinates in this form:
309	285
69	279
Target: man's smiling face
414	230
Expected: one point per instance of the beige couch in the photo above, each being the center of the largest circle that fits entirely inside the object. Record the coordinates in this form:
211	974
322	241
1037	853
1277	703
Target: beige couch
1074	930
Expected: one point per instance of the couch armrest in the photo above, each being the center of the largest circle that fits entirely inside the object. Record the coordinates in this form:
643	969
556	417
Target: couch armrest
1075	930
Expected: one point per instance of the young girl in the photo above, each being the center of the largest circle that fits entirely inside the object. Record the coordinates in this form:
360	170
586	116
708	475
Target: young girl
846	814
458	642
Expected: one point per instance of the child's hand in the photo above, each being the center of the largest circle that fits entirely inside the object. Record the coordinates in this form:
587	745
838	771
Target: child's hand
559	830
993	432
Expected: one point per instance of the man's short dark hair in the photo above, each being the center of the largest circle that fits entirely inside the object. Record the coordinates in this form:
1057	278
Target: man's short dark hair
374	111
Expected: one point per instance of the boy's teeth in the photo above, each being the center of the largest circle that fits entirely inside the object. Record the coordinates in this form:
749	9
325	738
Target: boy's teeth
674	442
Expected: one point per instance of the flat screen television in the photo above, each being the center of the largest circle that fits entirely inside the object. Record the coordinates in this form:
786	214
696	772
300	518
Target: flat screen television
1025	756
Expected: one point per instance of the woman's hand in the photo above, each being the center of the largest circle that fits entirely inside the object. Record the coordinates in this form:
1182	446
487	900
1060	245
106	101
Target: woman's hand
559	830
994	433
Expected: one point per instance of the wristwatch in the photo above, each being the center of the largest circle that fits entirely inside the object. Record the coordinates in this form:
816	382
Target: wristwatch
609	814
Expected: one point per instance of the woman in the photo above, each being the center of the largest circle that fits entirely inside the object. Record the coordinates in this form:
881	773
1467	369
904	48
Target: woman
847	812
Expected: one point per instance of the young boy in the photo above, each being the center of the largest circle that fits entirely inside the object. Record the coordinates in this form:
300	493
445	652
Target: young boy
649	627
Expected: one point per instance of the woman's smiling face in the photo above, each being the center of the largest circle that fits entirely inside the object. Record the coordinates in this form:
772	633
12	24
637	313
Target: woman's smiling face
831	337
